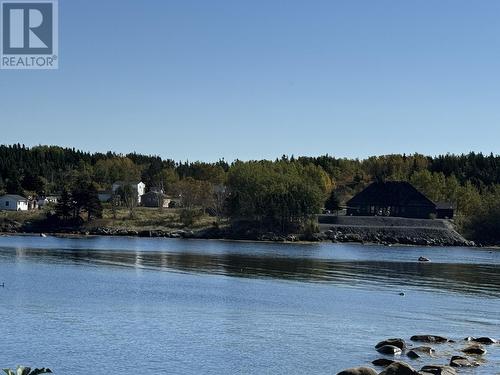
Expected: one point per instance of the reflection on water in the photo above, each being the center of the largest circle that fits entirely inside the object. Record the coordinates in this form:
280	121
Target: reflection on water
457	277
216	307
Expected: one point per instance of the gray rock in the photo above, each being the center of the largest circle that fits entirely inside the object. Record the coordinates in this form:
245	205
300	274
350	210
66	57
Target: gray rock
358	371
475	349
485	340
429	339
389	350
382	362
439	370
399	368
400	343
412	354
319	237
187	234
424	350
458	361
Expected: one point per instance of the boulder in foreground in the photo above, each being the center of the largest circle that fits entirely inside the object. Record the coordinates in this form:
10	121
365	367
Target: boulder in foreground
400	343
484	340
358	371
438	370
382	362
417	352
389	350
399	368
459	361
475	349
429	339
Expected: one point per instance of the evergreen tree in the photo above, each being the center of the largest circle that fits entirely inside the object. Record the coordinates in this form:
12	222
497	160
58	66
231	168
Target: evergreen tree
93	205
86	198
34	183
333	202
13	186
64	207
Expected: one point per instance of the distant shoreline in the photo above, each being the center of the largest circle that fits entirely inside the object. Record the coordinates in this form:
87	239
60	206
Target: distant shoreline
328	228
385	236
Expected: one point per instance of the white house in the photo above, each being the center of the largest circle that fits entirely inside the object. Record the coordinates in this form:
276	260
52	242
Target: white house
12	202
137	187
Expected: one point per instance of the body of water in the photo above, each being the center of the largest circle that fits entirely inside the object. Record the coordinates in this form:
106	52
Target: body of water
102	305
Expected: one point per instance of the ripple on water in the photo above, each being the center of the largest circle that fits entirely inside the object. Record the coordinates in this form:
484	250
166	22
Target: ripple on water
235	307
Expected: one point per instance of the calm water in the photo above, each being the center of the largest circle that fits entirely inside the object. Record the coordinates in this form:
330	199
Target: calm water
158	306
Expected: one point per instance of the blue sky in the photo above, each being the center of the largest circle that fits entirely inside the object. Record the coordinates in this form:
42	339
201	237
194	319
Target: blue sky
255	79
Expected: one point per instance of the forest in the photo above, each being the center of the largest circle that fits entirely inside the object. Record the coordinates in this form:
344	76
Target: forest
282	194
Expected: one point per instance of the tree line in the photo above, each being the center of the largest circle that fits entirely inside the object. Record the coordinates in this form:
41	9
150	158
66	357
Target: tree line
280	194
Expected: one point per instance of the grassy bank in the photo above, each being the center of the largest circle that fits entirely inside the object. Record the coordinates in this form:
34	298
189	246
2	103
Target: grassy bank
144	218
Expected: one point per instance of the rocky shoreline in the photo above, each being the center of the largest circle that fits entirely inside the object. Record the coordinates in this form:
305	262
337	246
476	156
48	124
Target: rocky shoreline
339	236
400	236
386	231
383	235
456	355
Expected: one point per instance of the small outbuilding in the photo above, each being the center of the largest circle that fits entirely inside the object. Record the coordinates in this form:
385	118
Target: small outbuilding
155	199
445	210
13	202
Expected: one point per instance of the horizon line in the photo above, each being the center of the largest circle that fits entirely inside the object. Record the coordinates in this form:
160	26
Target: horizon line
290	156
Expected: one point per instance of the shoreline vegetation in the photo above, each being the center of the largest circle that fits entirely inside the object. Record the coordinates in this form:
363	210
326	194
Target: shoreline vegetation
169	223
264	200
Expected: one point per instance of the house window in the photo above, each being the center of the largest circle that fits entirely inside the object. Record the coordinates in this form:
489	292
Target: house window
6	203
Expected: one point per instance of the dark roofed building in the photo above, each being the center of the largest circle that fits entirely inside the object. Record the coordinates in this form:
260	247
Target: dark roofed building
391	198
